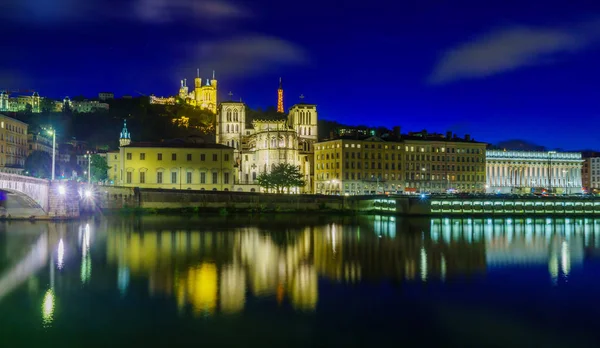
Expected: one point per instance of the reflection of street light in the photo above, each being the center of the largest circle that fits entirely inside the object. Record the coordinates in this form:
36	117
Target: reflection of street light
62	190
53	133
48	307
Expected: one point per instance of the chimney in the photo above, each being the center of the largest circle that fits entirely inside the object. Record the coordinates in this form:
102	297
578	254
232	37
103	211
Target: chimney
331	135
448	134
397	131
467	137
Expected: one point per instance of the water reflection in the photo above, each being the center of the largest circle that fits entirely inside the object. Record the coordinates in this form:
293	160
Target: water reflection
210	267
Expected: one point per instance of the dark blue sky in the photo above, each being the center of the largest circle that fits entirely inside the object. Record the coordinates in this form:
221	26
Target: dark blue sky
495	69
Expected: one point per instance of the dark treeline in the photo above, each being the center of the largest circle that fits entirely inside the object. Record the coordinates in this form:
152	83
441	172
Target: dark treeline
145	121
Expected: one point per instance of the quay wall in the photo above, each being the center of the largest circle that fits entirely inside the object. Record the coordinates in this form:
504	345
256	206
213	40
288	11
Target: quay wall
115	198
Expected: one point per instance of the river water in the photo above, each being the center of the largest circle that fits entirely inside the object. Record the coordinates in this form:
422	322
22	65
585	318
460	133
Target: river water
293	280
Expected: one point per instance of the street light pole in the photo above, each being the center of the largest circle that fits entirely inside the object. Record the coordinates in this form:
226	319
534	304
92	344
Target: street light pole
53	152
89	168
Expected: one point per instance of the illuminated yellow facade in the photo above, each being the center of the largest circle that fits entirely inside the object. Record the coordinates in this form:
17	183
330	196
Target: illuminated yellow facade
179	166
408	164
203	96
13	145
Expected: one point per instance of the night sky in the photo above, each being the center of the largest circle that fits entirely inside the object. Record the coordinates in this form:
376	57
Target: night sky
497	70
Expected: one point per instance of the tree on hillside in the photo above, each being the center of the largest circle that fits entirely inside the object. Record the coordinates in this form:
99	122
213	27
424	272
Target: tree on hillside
282	177
99	168
39	164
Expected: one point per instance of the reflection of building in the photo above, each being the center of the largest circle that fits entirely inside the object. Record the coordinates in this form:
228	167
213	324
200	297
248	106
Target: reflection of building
13	145
265	143
524	171
211	271
399	163
171	165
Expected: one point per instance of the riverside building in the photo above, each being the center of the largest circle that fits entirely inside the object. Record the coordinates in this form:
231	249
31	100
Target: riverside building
395	163
171	165
533	171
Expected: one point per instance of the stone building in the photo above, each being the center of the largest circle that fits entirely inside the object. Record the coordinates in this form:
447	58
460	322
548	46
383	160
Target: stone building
527	171
171	165
261	144
40	142
395	163
20	102
13	145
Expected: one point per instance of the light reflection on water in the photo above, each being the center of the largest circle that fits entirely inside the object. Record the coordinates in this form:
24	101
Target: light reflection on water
215	268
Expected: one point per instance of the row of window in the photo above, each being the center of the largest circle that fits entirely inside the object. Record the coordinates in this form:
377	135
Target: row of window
174	177
407	148
159	156
353	155
407	176
13	128
392	166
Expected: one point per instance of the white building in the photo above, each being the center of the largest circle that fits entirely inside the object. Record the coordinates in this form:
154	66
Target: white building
264	143
526	171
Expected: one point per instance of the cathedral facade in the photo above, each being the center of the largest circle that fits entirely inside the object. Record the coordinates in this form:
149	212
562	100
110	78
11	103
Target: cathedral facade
261	144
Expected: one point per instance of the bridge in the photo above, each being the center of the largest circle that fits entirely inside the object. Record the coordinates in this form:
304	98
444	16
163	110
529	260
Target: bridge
27	197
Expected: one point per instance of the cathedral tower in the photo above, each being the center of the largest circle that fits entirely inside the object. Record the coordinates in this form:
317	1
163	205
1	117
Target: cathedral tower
231	124
280	98
303	118
125	138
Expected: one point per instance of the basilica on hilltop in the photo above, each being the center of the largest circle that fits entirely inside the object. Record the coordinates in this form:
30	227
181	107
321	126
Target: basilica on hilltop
202	96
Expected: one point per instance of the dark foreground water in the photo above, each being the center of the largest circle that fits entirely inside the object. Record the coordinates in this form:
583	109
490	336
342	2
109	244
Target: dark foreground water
296	280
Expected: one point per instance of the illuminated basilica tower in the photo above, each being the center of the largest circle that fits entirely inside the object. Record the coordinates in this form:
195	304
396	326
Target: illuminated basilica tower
280	98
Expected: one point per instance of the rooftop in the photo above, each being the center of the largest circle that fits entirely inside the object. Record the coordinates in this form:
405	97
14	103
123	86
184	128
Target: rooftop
178	144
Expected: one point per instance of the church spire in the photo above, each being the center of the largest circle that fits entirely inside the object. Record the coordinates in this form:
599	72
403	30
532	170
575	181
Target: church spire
125	138
280	97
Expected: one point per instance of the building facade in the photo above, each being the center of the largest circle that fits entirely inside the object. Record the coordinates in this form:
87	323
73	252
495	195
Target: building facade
13	145
590	173
20	102
262	144
531	171
399	164
40	142
203	96
172	165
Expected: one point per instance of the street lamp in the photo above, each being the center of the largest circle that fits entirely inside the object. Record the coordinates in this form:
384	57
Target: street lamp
89	157
53	133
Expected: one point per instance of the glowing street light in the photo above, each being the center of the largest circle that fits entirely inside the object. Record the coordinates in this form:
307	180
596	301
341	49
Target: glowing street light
62	190
88	193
